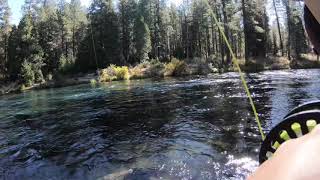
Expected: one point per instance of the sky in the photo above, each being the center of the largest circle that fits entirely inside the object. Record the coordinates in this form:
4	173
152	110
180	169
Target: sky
16	6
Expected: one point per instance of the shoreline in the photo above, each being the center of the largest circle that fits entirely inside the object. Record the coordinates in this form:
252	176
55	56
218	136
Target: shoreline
274	64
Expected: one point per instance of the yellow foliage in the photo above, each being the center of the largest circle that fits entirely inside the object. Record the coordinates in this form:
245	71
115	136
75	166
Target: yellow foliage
175	68
106	75
113	73
122	73
93	82
138	72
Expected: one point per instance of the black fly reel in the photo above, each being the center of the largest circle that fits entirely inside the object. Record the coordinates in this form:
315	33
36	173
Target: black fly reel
300	121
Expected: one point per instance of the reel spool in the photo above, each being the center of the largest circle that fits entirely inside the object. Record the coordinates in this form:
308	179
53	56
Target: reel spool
300	121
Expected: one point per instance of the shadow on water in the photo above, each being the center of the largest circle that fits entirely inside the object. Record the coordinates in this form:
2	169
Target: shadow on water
188	128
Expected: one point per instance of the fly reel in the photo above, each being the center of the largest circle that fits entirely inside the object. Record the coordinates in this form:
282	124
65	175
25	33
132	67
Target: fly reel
300	121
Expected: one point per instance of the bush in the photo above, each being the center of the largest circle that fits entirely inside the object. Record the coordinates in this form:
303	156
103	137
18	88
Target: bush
93	82
23	88
114	73
156	69
175	68
122	73
107	75
201	66
138	72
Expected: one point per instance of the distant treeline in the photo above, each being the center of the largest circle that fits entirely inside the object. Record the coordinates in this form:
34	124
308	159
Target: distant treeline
59	37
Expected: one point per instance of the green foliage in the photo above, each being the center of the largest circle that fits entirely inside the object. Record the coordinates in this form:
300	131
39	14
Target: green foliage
4	36
127	16
255	28
66	65
103	34
64	37
23	88
142	39
27	73
298	38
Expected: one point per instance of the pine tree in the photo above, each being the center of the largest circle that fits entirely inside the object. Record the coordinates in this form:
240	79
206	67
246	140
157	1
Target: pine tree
30	52
128	13
254	16
142	39
14	63
202	16
105	31
175	47
296	42
72	26
77	20
48	30
4	36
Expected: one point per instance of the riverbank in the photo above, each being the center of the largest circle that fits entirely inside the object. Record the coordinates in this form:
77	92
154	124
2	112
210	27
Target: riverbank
156	69
306	61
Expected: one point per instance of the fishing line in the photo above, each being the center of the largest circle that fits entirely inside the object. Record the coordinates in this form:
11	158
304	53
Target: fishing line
244	82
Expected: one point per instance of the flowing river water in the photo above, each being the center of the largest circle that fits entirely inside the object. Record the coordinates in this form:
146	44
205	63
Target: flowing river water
182	128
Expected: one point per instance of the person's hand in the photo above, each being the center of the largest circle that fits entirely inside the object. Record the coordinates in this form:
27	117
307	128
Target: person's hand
297	159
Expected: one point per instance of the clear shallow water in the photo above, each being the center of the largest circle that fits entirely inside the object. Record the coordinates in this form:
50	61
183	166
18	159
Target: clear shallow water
189	128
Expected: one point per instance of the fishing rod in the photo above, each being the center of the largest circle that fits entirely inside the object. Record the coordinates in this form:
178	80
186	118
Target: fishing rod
303	119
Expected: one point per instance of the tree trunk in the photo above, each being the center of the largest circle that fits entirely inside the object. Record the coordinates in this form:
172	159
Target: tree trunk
226	31
288	11
73	42
279	28
245	21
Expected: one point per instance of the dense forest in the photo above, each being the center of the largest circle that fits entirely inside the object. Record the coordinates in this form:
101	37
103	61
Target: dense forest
63	37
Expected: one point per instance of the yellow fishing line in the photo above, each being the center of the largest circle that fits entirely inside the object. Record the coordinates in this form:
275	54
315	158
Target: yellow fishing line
244	82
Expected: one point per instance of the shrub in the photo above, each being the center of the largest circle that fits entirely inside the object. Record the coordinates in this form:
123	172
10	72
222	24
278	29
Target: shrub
122	73
175	68
156	69
169	68
93	82
138	72
107	75
23	88
201	66
114	73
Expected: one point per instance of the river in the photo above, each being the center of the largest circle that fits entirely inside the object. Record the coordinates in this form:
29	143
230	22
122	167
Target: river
182	128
